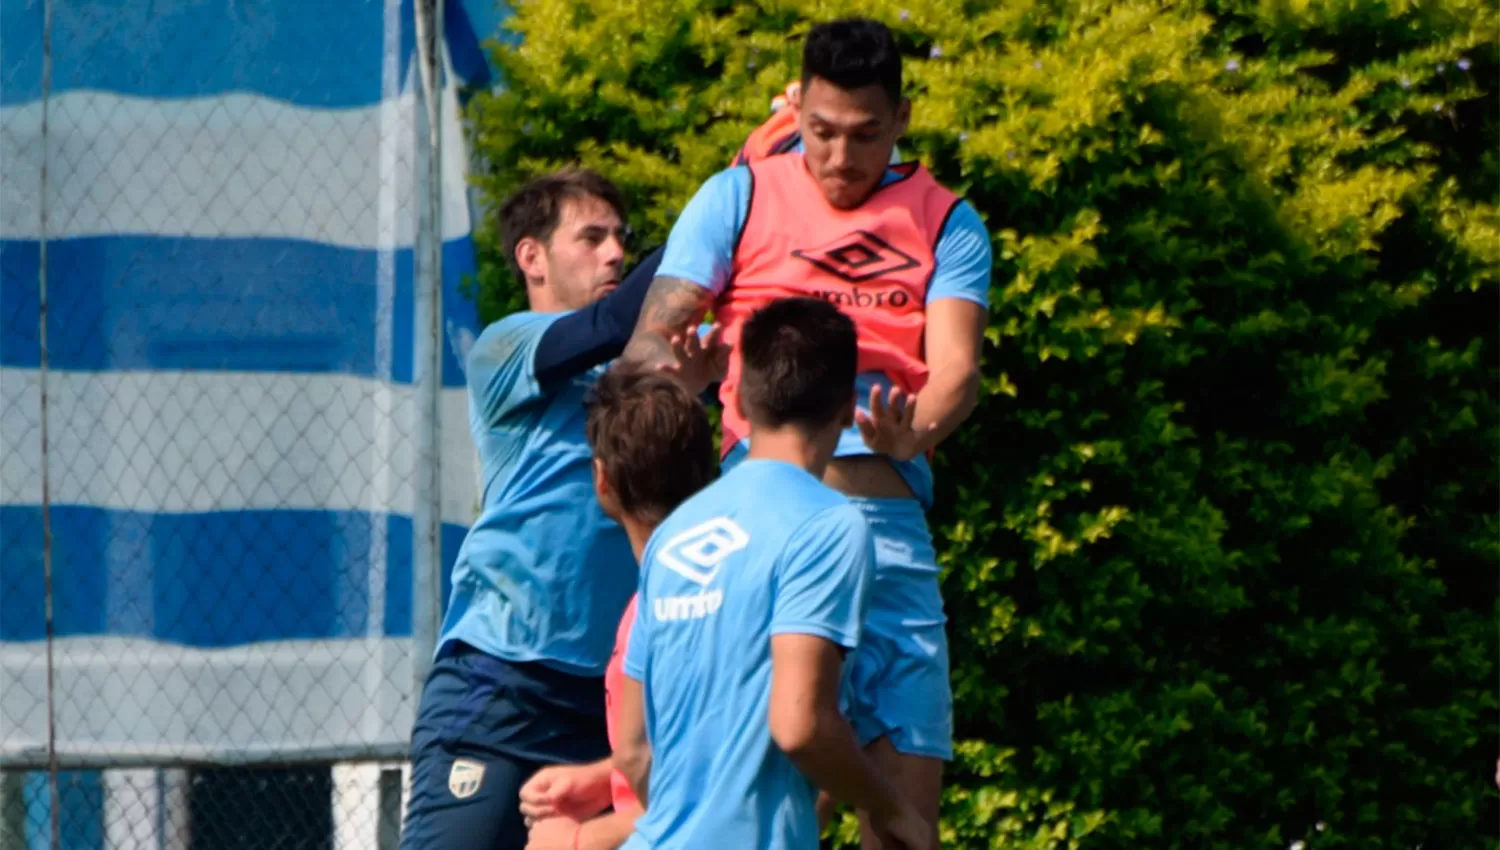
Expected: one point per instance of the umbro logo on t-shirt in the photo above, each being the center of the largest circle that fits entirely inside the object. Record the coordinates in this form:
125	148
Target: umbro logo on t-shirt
696	555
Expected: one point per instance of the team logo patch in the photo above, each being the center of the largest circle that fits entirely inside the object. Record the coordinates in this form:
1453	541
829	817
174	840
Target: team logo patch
697	553
857	257
465	778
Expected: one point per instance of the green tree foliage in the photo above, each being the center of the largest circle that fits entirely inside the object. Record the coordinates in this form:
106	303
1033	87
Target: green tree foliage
1220	546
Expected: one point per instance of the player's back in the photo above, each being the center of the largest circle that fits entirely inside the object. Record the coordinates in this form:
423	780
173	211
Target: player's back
706	613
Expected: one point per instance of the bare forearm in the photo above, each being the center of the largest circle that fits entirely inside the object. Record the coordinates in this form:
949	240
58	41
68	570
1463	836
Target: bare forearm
672	307
608	832
632	753
830	757
648	348
943	404
635	765
595	776
955	348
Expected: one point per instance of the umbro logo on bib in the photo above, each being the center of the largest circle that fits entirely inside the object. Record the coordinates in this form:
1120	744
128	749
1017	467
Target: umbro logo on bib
465	778
857	257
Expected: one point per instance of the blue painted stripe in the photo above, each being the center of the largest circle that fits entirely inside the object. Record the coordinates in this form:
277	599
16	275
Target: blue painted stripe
323	53
80	815
465	25
145	302
208	580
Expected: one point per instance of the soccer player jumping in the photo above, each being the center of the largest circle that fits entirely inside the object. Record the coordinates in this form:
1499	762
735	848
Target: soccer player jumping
910	263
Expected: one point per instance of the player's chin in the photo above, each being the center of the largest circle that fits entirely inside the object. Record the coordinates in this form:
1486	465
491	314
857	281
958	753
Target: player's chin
845	195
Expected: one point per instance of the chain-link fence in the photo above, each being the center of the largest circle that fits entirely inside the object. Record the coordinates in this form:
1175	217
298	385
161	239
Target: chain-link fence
234	460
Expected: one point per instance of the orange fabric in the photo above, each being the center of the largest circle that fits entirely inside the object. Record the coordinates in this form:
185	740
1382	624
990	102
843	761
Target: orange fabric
874	262
774	136
619	788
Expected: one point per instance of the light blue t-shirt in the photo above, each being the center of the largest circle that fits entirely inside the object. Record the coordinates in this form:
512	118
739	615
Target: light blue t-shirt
702	245
726	571
543	574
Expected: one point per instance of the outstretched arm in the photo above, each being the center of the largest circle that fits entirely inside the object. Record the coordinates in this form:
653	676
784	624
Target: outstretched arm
696	264
955	339
595	334
957	312
673	307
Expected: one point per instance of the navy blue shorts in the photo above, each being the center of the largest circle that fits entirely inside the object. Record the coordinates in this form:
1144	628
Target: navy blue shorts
483	728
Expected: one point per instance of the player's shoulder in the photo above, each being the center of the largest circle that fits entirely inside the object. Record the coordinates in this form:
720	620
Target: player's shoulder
507	338
756	497
517	324
965	217
729	183
720	201
775	481
964	242
802	500
835	525
834	510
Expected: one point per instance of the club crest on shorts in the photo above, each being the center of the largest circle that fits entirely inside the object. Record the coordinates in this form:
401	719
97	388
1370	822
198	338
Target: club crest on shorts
465	778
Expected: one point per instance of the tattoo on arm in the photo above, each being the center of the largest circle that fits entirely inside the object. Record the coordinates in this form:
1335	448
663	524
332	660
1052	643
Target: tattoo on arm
672	306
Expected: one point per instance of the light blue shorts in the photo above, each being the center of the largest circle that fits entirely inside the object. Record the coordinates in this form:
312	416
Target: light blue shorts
897	679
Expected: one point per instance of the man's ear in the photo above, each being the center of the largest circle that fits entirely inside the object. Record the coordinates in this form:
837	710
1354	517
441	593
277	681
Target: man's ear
531	257
903	117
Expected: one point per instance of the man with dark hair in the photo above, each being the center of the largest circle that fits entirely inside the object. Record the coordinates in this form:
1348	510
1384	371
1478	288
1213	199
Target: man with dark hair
589	208
910	262
543	575
750	594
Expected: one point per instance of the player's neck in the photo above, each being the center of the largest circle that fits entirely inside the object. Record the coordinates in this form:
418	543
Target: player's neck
794	446
543	297
541	300
639	533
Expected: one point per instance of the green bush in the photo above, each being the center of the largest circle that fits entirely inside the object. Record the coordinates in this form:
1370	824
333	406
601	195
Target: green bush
1221	544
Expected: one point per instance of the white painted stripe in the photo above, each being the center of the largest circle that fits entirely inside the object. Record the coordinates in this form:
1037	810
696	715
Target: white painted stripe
356	805
232	166
186	442
385	297
138	698
135	817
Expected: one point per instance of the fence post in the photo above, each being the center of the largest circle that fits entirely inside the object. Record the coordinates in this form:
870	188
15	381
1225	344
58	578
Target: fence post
427	556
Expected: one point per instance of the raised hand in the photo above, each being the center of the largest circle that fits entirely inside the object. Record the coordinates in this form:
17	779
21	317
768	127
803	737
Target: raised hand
699	361
890	427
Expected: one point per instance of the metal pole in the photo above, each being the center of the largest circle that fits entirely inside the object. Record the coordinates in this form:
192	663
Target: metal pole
54	794
427	555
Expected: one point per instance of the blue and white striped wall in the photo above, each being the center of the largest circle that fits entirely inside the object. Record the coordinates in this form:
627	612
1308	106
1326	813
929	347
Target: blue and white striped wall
230	217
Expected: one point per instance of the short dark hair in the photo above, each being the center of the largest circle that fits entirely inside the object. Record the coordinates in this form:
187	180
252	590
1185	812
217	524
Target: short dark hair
798	358
535	209
654	440
853	53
